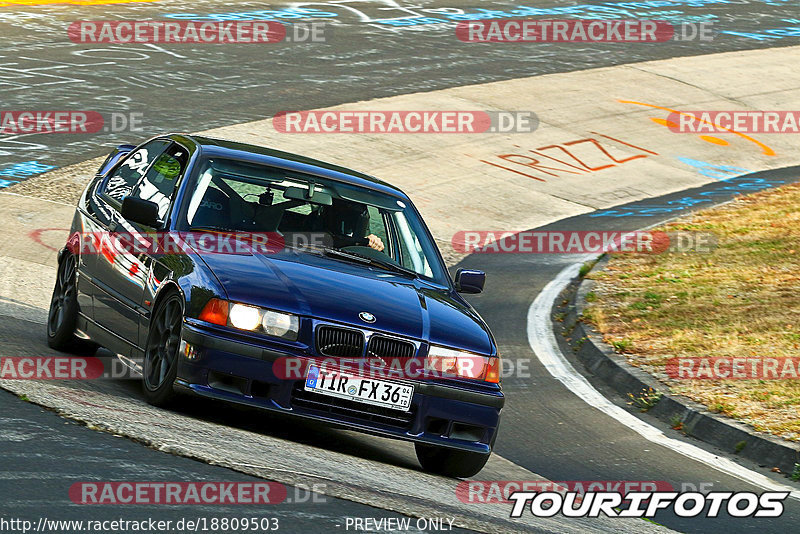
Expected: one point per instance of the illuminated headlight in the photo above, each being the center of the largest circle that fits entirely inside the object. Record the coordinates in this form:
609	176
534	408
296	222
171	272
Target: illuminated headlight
279	324
463	364
253	318
244	317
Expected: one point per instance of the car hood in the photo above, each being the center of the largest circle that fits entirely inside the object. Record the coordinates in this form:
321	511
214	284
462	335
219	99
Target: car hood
336	291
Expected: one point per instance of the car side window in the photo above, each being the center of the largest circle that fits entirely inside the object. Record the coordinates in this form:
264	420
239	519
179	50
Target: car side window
130	171
411	254
159	183
377	225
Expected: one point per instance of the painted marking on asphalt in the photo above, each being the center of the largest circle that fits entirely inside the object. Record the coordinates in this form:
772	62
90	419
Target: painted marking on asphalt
542	341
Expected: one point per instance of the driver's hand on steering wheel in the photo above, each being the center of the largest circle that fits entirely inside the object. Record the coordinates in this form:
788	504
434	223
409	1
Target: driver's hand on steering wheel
375	242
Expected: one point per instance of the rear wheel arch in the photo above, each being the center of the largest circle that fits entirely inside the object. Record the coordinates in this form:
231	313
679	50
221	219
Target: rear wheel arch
62	316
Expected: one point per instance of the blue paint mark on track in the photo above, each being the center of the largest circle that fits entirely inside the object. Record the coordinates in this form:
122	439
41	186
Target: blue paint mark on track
22	170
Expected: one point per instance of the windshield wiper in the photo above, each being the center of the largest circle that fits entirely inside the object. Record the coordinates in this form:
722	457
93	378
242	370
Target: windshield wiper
336	253
390	266
366	260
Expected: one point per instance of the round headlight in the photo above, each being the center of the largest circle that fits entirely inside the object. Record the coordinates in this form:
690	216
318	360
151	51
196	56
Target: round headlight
280	324
244	317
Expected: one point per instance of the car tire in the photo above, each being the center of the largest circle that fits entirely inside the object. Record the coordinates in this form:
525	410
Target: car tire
160	365
450	462
62	317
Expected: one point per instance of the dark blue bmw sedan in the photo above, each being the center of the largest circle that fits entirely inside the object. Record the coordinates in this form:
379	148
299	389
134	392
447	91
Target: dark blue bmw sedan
346	314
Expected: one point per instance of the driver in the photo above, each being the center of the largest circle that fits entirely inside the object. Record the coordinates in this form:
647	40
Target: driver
348	223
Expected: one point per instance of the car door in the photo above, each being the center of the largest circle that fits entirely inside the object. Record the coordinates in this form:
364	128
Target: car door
159	185
118	273
86	222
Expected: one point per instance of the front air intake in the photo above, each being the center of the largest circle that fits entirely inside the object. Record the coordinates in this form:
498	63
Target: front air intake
389	348
340	342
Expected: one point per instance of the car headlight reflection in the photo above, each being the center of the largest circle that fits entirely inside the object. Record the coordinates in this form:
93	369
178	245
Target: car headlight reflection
463	364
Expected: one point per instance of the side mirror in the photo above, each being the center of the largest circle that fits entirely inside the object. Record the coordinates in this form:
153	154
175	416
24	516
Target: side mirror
470	281
140	211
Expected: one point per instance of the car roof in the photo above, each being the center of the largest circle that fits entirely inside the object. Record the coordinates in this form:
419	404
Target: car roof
210	146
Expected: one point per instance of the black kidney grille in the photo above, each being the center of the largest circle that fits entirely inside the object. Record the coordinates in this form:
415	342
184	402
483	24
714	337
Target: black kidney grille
387	347
340	342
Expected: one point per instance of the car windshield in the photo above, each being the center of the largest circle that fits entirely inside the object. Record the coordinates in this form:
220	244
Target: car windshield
348	222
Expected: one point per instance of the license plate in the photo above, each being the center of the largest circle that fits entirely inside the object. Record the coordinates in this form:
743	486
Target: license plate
355	388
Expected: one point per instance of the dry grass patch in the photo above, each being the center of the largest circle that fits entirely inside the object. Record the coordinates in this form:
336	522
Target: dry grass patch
742	300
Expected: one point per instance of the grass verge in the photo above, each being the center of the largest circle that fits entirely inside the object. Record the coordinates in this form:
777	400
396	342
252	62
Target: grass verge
740	301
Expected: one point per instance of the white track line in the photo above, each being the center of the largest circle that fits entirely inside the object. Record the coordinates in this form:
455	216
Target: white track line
543	343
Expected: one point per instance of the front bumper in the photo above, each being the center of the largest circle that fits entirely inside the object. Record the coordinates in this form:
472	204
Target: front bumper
241	371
